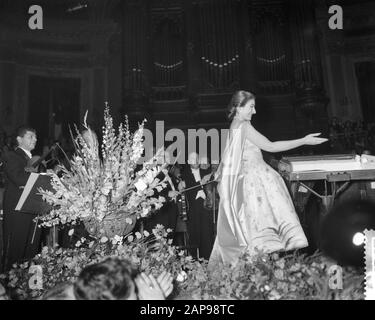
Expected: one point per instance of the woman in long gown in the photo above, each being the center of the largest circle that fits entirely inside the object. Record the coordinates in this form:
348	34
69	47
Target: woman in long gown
256	213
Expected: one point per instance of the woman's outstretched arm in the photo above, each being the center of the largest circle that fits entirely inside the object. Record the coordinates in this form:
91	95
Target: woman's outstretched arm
278	146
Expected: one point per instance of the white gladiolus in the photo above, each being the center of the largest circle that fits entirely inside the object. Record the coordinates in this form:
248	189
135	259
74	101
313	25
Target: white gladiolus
102	180
140	185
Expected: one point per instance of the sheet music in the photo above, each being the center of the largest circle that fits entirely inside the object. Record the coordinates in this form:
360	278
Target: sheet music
26	191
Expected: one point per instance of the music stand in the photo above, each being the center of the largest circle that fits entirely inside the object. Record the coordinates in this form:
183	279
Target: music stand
31	200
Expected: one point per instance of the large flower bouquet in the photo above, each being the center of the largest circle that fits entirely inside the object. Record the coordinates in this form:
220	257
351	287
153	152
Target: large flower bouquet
108	192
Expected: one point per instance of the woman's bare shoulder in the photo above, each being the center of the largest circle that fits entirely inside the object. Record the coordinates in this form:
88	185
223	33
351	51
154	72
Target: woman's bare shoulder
237	124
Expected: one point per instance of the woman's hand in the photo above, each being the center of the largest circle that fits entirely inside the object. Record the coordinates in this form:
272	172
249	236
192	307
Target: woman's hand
312	139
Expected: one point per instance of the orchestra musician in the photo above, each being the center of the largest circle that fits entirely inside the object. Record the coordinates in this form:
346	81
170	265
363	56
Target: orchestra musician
19	227
181	236
200	226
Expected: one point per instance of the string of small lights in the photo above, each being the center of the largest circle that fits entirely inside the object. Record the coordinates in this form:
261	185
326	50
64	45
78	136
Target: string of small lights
220	65
276	60
172	66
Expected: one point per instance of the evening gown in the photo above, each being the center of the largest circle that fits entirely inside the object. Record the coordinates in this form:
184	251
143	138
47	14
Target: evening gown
256	213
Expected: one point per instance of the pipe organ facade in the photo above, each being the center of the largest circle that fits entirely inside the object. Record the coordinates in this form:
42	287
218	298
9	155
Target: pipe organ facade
183	59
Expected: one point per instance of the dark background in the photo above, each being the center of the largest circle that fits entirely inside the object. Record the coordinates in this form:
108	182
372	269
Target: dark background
180	61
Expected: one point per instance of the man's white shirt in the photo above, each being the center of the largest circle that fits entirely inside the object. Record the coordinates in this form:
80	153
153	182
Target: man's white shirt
197	177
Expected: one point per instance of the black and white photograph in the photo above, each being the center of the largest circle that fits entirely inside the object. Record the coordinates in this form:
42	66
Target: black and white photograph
194	151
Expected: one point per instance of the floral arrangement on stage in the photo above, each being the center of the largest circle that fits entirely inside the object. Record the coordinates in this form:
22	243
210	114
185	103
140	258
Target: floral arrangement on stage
271	277
110	192
152	253
105	187
263	277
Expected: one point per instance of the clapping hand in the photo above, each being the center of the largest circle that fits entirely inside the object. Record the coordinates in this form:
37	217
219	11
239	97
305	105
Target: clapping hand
313	139
151	289
165	282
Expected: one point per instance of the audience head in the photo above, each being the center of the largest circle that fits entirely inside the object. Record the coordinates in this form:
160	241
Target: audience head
63	291
26	138
111	279
240	103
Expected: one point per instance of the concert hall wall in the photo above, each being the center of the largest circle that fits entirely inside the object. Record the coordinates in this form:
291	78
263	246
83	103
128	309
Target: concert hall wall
180	61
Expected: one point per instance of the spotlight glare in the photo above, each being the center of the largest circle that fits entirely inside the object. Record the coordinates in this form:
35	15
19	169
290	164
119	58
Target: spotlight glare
358	239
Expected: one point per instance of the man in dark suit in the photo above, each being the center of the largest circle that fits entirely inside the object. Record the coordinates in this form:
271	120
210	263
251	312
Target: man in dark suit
19	227
200	226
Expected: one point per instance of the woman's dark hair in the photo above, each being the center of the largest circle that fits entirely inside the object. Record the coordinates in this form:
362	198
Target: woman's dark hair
111	279
239	99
